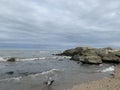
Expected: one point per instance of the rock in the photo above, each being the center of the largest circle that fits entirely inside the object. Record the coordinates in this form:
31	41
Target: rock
88	59
10	72
91	55
111	58
76	57
60	60
11	59
116	53
105	51
78	50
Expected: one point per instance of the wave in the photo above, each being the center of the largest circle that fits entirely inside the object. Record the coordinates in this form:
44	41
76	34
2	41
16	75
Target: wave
109	69
48	58
17	79
49	73
36	58
2	59
28	59
45	74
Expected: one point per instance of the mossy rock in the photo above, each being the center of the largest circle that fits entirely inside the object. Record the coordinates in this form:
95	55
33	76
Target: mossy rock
11	59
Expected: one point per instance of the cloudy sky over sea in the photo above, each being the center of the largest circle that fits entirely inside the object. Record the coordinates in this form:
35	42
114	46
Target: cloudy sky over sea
59	24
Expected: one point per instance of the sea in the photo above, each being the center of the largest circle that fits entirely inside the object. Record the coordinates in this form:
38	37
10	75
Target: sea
34	67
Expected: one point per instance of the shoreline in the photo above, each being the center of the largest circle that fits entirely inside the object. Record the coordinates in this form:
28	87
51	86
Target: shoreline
103	84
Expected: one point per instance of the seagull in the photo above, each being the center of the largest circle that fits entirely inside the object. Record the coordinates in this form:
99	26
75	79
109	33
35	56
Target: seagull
49	82
49	74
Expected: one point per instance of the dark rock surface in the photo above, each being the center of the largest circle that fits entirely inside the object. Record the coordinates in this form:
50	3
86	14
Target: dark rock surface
10	72
11	59
91	55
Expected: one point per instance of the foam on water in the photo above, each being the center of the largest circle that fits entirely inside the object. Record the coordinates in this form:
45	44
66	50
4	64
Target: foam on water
27	59
109	69
36	58
12	79
49	73
2	59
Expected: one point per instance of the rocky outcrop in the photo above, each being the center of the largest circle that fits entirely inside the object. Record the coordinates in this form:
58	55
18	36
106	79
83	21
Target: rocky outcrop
91	55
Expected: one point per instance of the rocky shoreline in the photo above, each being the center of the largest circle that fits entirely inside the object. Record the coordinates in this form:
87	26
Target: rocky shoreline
89	55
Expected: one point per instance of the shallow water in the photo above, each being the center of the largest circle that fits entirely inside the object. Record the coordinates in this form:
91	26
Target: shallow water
34	66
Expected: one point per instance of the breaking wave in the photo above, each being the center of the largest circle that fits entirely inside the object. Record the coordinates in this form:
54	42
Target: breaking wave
109	69
37	58
46	74
2	59
49	73
12	79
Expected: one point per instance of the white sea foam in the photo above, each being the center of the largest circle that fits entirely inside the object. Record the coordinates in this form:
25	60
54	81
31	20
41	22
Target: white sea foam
37	58
109	69
50	73
17	79
27	59
44	58
2	59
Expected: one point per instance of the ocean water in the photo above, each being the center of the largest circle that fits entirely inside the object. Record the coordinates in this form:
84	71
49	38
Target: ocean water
33	67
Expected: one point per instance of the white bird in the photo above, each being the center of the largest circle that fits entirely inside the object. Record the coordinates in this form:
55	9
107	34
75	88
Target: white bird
49	82
50	74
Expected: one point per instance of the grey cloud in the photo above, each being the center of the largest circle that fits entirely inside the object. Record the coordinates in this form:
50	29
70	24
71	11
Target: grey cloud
60	23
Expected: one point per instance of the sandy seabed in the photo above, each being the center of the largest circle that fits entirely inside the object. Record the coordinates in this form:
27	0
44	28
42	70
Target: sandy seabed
104	84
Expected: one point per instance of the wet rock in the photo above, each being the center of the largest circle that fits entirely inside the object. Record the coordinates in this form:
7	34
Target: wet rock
87	58
10	72
91	55
11	59
90	59
116	53
76	57
111	58
75	51
60	60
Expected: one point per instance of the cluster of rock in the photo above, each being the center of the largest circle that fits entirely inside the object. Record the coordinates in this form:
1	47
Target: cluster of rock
91	55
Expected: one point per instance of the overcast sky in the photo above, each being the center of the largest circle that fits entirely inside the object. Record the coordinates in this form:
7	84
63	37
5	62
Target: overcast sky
59	24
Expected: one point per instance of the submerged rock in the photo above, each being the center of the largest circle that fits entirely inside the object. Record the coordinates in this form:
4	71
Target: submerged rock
91	55
11	59
10	72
